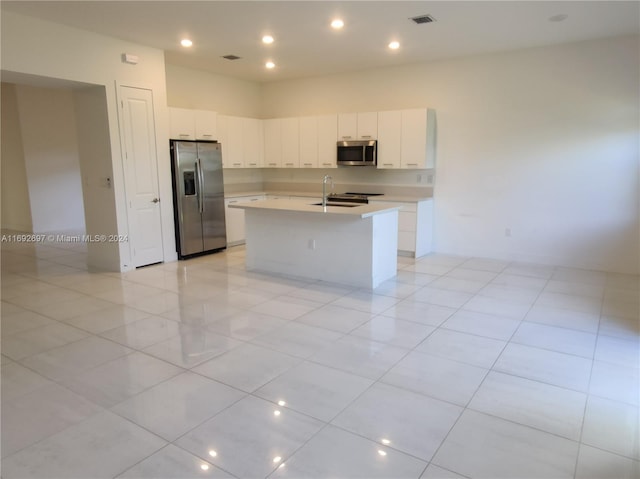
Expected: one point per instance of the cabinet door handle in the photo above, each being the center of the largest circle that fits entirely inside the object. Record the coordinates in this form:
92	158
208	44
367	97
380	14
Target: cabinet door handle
184	135
387	164
347	137
365	136
208	136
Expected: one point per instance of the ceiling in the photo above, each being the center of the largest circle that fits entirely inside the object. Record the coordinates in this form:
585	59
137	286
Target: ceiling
306	46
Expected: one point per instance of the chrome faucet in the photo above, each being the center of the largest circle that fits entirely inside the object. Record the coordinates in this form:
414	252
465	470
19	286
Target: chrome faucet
324	189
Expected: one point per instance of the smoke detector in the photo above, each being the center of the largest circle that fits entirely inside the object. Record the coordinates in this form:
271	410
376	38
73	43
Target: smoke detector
420	19
231	57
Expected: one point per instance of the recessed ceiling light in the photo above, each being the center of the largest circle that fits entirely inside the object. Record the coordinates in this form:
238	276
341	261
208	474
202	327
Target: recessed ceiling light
267	39
394	45
337	24
561	17
270	65
185	42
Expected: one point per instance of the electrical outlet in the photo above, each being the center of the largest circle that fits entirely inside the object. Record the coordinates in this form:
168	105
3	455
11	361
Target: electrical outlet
507	232
312	244
419	178
429	179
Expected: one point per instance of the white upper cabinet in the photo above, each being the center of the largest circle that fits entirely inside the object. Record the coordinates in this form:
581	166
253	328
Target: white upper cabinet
206	125
347	126
182	124
327	149
242	142
230	134
282	143
358	126
252	143
273	143
308	142
368	126
389	139
414	139
185	124
290	143
406	139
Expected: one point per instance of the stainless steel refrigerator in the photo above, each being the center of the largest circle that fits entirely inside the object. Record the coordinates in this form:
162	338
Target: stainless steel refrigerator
198	197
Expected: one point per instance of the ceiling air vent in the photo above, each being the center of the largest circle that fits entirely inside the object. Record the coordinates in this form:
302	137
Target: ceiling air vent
231	57
423	19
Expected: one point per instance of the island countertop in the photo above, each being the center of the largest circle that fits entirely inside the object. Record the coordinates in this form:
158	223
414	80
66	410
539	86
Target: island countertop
311	206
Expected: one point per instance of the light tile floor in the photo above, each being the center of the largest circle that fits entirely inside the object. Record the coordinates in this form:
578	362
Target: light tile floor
459	367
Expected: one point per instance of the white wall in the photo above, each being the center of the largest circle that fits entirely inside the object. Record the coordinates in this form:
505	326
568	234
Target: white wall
197	89
35	47
541	141
50	144
94	150
16	209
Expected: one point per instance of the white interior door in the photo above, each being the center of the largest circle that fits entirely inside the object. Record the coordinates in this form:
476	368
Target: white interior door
141	175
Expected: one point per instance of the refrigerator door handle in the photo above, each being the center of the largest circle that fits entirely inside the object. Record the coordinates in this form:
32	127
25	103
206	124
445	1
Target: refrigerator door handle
200	186
196	167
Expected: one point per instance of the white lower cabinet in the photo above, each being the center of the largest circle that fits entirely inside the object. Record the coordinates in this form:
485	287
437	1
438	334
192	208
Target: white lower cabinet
234	218
415	227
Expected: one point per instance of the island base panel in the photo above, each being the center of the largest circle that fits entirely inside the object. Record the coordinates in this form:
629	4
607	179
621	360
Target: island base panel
353	251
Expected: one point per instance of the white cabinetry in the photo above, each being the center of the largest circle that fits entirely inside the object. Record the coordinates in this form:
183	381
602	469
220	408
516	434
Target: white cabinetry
234	218
358	126
327	132
415	227
389	139
273	143
185	124
252	142
406	139
242	142
230	133
281	143
182	124
290	143
206	125
308	142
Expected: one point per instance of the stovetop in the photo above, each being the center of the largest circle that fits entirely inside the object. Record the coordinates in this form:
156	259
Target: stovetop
351	197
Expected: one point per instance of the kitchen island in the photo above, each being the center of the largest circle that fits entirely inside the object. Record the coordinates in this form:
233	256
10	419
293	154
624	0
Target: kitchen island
352	244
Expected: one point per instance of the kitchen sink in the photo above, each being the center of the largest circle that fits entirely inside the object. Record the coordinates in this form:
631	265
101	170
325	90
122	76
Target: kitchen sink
341	205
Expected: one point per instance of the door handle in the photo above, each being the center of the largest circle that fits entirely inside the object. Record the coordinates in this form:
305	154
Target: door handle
155	200
201	185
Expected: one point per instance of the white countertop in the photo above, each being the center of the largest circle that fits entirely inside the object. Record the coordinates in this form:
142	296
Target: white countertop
360	210
399	199
390	198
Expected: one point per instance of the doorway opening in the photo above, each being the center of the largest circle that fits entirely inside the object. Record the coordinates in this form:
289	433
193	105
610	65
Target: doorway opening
57	165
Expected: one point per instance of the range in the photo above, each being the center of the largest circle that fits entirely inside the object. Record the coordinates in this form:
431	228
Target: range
350	197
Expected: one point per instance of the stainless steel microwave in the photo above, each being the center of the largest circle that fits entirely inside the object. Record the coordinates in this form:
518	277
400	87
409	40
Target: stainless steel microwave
357	153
